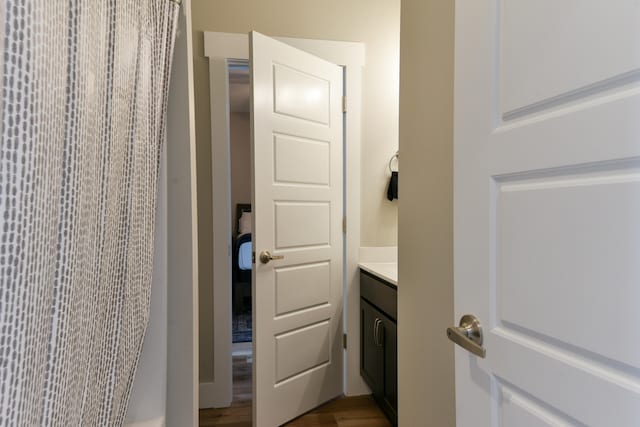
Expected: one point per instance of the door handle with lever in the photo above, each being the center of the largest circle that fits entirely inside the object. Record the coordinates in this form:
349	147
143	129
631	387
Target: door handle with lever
265	257
468	335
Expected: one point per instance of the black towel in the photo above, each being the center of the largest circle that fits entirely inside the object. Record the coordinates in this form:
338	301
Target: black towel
392	191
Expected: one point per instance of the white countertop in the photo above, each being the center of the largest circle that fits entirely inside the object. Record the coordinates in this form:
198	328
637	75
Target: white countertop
387	271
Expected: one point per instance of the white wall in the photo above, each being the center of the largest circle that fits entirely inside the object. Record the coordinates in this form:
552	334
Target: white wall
425	240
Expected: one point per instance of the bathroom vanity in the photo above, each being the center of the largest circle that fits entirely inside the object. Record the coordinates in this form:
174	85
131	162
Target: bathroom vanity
378	334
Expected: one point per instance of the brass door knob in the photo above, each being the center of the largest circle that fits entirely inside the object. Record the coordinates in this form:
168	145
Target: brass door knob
265	257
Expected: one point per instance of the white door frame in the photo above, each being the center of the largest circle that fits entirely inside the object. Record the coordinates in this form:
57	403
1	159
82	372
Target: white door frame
182	235
351	55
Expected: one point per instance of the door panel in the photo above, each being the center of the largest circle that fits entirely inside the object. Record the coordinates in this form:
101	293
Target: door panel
302	286
516	409
300	93
301	161
548	260
301	350
547	197
554	57
575	387
297	210
302	225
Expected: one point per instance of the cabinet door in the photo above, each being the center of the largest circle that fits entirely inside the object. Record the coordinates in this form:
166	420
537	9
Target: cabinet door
371	350
389	334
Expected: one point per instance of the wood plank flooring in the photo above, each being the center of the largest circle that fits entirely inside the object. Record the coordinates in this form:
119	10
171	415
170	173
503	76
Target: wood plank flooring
359	411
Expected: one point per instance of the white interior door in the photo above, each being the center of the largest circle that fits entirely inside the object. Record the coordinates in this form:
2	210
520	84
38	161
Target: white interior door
297	206
547	211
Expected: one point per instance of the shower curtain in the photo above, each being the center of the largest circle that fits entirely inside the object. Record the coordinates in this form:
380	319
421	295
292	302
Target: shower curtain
83	94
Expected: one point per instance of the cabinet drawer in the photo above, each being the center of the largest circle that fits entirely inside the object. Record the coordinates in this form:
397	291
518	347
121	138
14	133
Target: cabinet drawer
380	294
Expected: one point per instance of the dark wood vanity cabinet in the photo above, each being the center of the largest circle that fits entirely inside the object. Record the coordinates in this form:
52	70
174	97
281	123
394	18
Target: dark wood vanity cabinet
379	341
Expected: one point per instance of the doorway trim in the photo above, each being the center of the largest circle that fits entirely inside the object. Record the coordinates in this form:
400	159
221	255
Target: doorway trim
220	47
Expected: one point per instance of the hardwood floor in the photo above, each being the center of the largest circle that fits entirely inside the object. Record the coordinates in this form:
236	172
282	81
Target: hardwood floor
359	411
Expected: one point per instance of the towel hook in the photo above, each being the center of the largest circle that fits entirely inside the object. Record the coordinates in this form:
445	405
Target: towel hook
394	157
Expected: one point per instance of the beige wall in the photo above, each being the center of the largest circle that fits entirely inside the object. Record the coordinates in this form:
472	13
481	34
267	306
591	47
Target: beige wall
425	239
240	161
373	22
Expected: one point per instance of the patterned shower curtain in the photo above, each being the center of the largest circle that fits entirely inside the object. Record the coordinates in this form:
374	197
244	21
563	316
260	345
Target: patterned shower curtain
83	100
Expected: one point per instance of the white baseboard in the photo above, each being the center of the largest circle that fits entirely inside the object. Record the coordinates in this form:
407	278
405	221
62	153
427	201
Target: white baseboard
154	422
212	397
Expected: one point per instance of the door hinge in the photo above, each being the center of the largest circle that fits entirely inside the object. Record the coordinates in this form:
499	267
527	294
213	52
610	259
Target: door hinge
344	104
344	341
344	224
